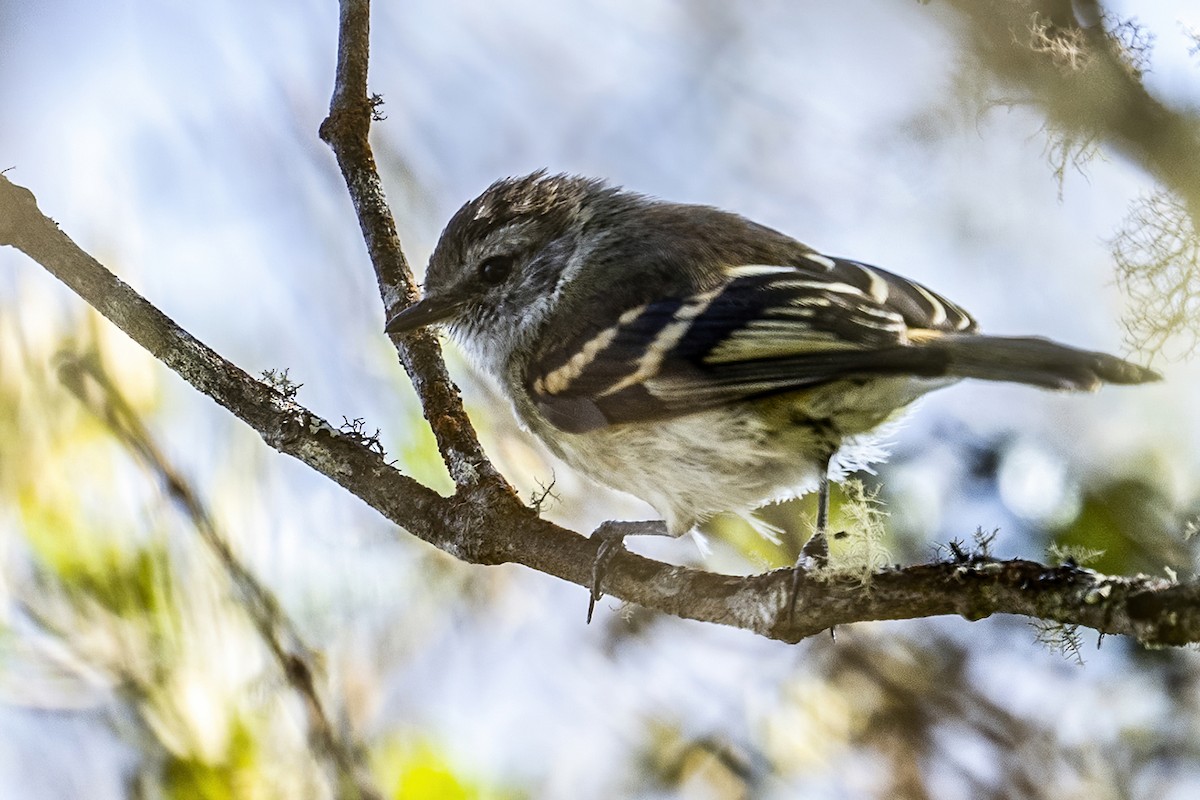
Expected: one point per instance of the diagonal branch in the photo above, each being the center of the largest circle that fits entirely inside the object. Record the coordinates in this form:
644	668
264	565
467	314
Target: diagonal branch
284	425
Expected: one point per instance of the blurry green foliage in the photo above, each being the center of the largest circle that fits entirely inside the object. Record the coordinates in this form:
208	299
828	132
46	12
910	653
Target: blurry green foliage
1130	522
96	557
235	776
127	580
416	771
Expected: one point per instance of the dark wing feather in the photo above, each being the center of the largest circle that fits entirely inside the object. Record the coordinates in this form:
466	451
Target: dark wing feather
766	330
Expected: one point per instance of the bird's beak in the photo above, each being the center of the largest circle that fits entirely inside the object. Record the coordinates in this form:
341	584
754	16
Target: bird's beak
427	311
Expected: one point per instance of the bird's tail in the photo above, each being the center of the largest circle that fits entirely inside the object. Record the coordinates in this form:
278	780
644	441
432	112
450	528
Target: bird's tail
1033	360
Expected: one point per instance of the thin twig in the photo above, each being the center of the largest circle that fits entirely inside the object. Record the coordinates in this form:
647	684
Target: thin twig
346	130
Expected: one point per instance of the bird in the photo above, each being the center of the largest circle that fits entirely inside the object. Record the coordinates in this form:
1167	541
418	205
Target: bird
693	358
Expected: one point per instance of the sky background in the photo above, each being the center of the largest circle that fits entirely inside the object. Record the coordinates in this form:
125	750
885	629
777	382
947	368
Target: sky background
176	142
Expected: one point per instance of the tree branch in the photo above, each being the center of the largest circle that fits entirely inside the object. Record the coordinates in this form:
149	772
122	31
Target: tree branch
346	130
485	523
1086	84
282	423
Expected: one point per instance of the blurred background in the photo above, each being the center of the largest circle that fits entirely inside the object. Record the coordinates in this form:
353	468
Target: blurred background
176	142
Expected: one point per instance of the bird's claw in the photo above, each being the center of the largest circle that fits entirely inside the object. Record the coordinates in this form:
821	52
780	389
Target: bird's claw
609	547
612	541
798	573
814	555
815	551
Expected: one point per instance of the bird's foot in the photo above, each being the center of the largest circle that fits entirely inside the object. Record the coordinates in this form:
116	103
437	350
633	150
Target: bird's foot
612	541
815	551
813	556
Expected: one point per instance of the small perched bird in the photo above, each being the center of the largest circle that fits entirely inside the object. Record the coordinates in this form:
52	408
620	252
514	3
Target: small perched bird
693	358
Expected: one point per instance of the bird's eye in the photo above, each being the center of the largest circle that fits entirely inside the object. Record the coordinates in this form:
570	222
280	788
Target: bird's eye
495	269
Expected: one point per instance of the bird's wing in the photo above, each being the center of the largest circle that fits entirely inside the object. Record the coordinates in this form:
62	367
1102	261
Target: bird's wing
765	330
